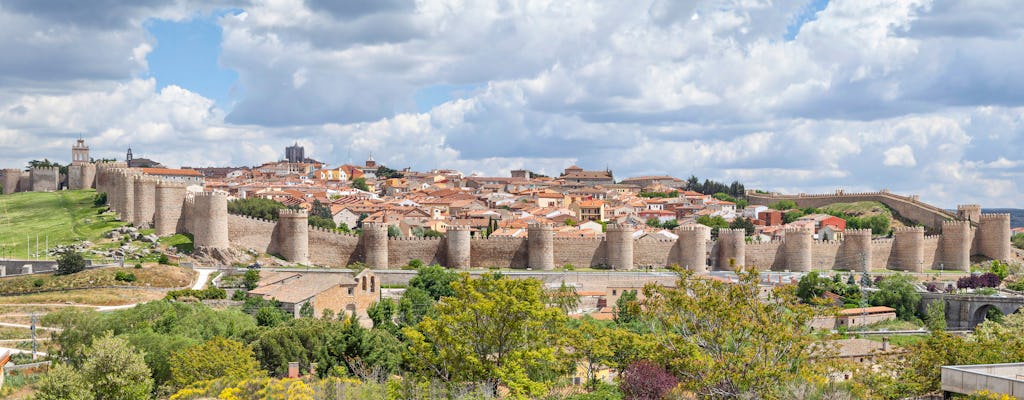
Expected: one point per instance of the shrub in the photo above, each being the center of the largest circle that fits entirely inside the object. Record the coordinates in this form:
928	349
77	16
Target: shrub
1018	286
569	267
932	286
986	280
644	380
138	266
70	262
124	276
414	264
100	199
163	259
211	293
38	282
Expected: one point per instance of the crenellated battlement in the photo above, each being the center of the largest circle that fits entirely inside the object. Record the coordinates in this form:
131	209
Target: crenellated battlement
994	216
292	213
857	232
955	224
908	229
459	228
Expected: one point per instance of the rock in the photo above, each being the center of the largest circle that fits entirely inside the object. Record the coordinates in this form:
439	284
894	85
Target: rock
151	238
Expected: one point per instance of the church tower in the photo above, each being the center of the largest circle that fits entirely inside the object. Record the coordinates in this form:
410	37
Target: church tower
80	152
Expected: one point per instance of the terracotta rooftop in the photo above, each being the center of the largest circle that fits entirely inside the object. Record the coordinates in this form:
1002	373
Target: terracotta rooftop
171	172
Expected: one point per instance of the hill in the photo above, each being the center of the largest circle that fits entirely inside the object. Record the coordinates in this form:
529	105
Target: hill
864	209
64	217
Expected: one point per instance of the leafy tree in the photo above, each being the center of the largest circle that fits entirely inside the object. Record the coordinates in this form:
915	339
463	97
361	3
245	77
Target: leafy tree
387	173
644	380
100	199
791	216
393	231
495	330
783	205
269	316
116	370
935	316
435	280
722	342
251	279
593	346
1018	240
1000	269
414	305
63	382
321	210
70	262
670	224
360	183
325	223
653	222
255	207
627	308
743	223
382	313
217	357
306	311
811	286
897	291
564	298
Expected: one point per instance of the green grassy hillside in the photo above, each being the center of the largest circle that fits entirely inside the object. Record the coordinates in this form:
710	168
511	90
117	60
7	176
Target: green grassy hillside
64	216
863	209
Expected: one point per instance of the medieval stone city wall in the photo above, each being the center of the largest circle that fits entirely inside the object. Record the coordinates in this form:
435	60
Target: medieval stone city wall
81	176
11	177
205	216
909	207
45	179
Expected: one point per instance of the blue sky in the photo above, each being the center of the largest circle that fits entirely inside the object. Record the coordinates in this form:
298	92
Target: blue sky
790	95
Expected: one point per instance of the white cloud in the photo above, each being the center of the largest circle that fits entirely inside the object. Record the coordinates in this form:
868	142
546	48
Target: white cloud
902	156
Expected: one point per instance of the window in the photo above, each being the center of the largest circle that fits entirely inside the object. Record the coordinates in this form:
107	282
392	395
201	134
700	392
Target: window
373	283
614	292
364	283
350	290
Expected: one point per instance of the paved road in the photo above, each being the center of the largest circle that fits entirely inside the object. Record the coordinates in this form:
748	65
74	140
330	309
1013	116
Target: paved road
204	275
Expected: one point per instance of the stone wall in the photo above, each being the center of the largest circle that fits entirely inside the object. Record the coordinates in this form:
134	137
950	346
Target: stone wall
292	236
11	177
169	201
457	241
908	249
855	253
334	249
994	236
620	246
45	179
797	248
693	247
375	245
957	237
251	233
824	254
580	252
430	250
208	215
650	252
541	246
909	207
144	197
499	252
81	176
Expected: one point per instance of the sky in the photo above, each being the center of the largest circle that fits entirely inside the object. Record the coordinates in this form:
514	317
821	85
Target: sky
915	96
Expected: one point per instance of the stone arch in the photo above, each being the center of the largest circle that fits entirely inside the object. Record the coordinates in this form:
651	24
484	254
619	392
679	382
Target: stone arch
981	313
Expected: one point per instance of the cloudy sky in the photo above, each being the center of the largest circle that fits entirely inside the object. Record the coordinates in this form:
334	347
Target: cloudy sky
916	96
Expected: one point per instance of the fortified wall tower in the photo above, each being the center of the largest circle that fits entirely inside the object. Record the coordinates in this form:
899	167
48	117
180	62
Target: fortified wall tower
540	243
144	196
908	249
957	237
797	248
968	212
375	244
693	247
45	179
732	248
620	246
855	251
457	240
293	235
169	200
994	236
207	215
11	177
81	176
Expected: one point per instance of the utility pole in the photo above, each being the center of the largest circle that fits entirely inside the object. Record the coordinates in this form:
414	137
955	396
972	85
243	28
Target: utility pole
35	344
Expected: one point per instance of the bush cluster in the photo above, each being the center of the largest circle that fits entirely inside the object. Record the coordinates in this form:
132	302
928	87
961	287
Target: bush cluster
211	293
986	280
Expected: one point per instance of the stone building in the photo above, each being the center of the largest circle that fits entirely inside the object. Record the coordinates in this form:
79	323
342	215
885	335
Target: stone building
339	293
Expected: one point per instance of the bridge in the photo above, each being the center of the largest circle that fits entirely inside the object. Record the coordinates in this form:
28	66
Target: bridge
966	311
909	207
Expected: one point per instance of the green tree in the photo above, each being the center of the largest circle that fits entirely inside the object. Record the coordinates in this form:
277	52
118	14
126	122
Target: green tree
564	298
325	223
306	311
897	291
393	231
1018	240
116	370
494	330
592	345
382	313
255	207
360	183
722	342
743	223
251	279
70	262
783	205
791	216
435	280
269	316
321	210
217	357
414	305
1000	269
935	316
63	382
811	286
387	173
627	308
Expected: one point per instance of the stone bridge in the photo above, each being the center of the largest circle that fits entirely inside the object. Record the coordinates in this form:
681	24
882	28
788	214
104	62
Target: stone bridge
966	312
909	207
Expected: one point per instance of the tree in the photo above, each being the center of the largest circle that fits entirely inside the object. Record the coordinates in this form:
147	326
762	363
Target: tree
382	313
435	280
325	223
897	291
306	311
723	342
811	286
63	382
627	308
783	205
564	298
935	316
743	223
387	173
1000	269
592	345
70	262
360	183
217	357
116	370
251	279
393	231
269	316
644	380
321	210
255	207
414	305
494	330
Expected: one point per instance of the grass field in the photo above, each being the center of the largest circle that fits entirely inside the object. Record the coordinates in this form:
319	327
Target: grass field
860	208
157	276
94	297
64	217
